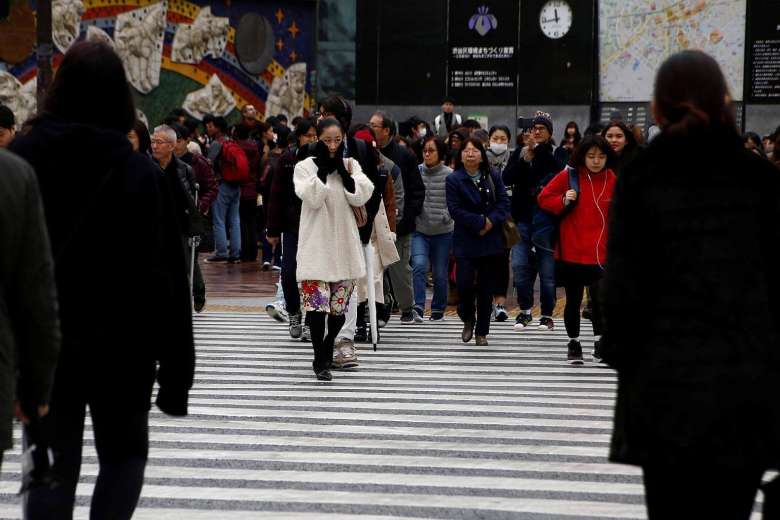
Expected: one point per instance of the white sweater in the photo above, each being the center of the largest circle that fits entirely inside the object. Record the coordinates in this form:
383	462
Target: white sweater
329	247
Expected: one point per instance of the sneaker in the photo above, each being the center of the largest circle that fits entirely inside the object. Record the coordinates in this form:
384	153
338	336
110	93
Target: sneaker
574	355
266	266
522	321
382	315
345	354
306	334
277	268
500	313
436	316
418	315
407	318
597	355
493	314
546	323
234	260
214	259
296	329
277	312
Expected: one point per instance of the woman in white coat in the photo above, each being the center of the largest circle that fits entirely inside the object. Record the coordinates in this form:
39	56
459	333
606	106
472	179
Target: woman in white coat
330	256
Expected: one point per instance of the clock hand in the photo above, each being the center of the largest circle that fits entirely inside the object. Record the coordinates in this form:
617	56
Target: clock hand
556	15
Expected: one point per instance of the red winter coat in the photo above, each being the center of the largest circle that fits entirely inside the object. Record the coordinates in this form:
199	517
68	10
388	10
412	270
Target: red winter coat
583	231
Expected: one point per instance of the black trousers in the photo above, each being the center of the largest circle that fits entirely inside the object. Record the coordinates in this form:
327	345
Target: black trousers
247	214
292	296
122	445
476	278
697	491
575	278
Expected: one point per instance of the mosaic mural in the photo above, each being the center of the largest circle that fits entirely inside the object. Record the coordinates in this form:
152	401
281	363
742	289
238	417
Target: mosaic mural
208	57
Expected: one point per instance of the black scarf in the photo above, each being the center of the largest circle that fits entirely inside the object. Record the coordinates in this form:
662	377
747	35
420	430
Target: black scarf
327	164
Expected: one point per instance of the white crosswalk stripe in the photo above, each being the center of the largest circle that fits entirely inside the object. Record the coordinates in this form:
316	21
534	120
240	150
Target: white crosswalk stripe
425	428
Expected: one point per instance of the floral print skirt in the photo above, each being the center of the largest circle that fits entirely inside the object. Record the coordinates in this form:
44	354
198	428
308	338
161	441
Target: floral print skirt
330	297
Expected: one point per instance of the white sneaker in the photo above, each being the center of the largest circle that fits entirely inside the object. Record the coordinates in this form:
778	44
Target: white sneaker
345	355
277	311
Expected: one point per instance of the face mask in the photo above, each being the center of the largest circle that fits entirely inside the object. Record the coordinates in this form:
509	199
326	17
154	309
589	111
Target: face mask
498	148
422	132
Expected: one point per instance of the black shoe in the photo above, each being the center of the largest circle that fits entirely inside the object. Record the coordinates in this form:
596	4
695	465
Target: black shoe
407	318
574	356
199	304
597	355
234	260
468	331
216	259
324	375
361	333
436	316
587	314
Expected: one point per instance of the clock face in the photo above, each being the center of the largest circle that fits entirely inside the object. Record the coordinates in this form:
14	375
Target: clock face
555	19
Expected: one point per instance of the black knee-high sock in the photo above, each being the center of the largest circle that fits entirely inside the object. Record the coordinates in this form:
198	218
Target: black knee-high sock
361	313
334	327
317	329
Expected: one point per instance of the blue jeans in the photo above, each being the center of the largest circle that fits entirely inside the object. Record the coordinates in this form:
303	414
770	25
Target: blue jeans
228	199
435	248
526	264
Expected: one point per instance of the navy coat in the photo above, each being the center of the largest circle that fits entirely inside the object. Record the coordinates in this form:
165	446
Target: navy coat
468	205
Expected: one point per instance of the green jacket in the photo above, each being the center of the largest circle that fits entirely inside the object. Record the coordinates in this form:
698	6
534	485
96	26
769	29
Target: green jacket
29	327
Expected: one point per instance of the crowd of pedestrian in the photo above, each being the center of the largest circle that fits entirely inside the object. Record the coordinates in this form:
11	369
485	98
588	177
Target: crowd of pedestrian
674	251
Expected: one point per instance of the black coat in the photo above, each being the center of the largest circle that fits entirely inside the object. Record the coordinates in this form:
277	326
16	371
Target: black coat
414	188
29	329
692	304
119	266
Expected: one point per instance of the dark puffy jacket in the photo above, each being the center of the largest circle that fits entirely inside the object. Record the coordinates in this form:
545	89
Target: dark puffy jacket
692	304
526	179
29	329
110	350
284	206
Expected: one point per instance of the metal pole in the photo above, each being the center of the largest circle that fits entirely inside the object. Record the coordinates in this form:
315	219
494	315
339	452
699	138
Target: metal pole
44	49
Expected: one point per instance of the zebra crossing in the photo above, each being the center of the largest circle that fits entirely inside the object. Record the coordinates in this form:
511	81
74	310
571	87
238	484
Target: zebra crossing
426	427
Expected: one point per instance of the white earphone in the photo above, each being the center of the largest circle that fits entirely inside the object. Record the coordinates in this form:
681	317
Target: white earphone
603	219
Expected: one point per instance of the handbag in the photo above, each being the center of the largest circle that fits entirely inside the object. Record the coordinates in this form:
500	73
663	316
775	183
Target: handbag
508	229
361	215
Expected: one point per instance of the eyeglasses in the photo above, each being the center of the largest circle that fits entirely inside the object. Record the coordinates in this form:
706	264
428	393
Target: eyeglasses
429	150
158	142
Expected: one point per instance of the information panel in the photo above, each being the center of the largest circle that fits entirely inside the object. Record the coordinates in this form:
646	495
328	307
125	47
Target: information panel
763	81
482	52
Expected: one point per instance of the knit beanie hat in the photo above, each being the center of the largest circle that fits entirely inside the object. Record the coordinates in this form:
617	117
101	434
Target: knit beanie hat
542	118
7	119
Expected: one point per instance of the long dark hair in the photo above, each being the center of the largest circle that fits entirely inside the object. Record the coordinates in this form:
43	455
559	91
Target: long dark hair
577	135
91	88
630	137
144	139
691	94
484	166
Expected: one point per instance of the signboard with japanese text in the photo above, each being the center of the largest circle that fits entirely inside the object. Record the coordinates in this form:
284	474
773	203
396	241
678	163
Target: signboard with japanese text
763	81
482	59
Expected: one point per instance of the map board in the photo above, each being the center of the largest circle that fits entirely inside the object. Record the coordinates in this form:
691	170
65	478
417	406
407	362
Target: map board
764	52
636	36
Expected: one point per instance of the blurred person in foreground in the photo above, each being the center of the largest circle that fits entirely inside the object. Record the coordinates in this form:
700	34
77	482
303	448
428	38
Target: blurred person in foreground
691	236
126	319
